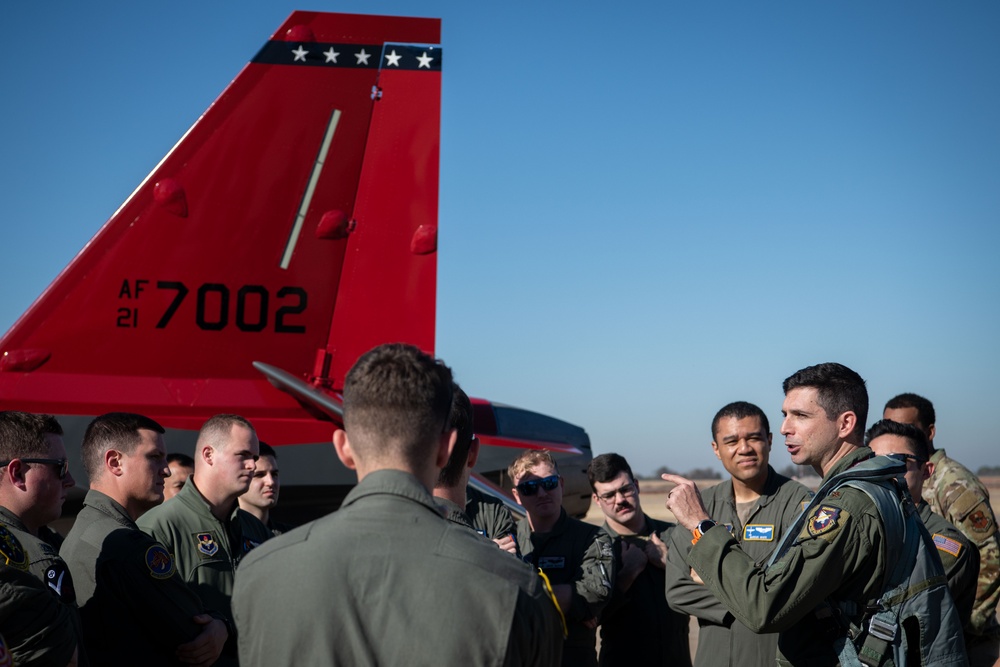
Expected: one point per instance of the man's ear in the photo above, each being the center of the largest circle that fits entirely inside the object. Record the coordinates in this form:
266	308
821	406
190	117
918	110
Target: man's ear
931	432
113	462
473	453
343	448
14	473
445	446
208	454
715	449
846	423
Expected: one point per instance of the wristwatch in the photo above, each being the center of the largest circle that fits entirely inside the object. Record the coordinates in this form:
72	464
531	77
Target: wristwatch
701	529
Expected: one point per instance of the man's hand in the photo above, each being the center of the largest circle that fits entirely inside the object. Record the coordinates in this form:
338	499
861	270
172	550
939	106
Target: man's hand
634	561
507	543
684	501
696	578
204	650
656	552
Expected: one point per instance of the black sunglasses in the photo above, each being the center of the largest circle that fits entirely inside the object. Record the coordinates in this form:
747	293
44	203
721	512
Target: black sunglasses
61	464
530	487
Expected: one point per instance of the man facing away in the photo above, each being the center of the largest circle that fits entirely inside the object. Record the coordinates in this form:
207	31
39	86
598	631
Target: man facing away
203	527
637	625
451	487
756	505
818	586
959	558
135	607
386	580
262	496
576	557
955	493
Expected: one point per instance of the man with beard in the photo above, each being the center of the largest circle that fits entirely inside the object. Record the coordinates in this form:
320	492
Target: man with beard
637	625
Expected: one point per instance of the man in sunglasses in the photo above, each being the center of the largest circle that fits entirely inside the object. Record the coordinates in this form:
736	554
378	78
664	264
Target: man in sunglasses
637	626
34	479
958	555
577	557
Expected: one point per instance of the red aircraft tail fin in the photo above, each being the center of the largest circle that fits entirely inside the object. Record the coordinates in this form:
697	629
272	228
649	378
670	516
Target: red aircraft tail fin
294	224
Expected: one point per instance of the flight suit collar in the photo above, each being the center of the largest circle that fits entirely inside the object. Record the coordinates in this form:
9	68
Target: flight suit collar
108	506
12	520
453	512
849	461
647	528
191	496
393	482
771	486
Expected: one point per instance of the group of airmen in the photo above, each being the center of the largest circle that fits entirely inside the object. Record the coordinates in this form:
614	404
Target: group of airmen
416	567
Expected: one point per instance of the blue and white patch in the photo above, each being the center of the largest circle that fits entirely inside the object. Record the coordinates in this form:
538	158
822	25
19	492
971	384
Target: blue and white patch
207	546
730	527
249	545
552	562
159	562
823	520
59	580
758	532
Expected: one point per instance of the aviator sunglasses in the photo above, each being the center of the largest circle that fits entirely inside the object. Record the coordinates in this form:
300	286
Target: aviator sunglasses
62	465
530	487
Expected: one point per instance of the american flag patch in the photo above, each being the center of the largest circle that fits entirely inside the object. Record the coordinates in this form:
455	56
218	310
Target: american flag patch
947	544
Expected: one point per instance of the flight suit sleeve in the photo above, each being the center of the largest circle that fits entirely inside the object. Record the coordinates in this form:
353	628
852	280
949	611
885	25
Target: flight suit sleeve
962	570
970	512
684	594
536	635
832	543
595	580
146	582
37	628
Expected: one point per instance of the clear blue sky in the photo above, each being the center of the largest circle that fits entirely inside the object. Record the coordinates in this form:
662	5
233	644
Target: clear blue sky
647	209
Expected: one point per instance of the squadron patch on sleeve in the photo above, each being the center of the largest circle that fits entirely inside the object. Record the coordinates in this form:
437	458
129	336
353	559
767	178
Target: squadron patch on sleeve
159	562
947	545
249	545
11	550
59	580
824	520
980	522
758	532
207	545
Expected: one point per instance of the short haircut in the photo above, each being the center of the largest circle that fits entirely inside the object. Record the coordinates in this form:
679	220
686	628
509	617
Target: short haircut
912	434
396	404
115	430
925	409
739	410
22	434
268	450
606	467
839	390
529	459
461	421
216	430
182	460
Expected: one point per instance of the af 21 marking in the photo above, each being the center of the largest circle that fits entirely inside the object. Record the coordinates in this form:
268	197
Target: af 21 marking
215	306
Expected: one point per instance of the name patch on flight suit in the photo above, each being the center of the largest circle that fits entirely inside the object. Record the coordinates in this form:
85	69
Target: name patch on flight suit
11	550
947	545
159	562
758	532
207	546
552	562
825	520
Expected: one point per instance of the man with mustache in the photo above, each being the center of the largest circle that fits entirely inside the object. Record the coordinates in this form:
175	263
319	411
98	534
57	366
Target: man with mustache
637	626
756	505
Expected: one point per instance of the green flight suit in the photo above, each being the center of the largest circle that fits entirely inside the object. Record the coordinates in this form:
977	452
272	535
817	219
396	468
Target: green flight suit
206	551
38	630
457	516
956	494
722	640
136	610
960	559
580	554
488	515
386	580
839	554
638	627
43	559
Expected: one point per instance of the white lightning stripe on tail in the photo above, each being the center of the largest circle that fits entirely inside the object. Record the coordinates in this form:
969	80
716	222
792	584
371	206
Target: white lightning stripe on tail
300	219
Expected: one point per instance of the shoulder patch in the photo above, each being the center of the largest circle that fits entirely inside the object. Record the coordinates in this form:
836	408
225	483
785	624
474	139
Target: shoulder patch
159	562
980	522
59	580
207	545
11	550
249	545
947	545
758	532
730	528
824	519
6	660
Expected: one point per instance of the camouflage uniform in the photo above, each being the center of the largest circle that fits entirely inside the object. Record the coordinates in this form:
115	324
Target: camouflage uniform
956	494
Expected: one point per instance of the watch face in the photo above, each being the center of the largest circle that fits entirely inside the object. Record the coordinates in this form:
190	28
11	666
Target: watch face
705	525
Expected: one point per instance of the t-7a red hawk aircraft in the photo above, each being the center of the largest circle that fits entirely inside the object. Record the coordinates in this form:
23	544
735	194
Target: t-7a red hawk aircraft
291	229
